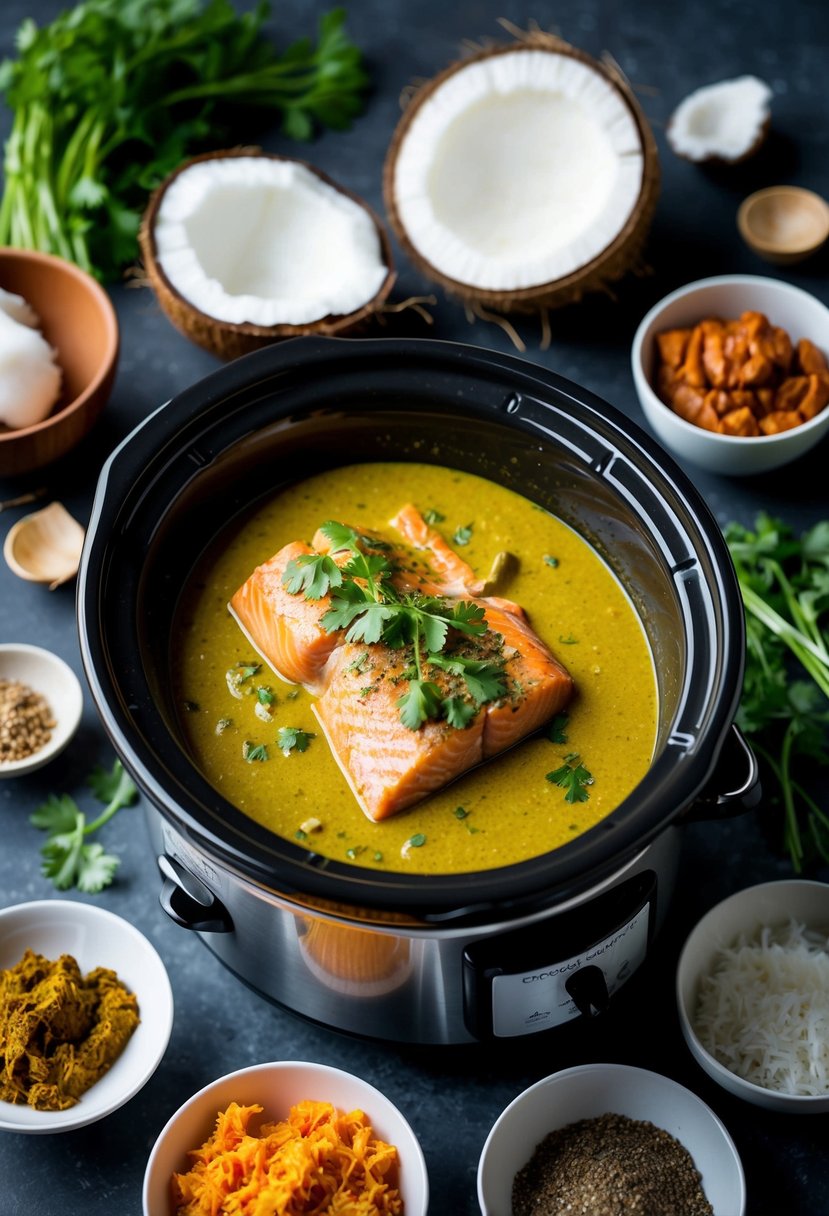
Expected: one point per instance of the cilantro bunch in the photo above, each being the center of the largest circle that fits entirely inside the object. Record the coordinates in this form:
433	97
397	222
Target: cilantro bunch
114	94
68	858
784	710
367	605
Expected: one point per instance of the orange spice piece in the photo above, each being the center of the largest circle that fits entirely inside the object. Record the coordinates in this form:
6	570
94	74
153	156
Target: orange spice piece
741	377
316	1161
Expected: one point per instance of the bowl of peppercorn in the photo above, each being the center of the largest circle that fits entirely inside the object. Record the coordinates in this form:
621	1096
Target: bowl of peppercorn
40	707
602	1138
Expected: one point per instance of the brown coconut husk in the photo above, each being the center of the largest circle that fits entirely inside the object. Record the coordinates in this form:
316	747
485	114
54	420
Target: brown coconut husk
226	339
622	255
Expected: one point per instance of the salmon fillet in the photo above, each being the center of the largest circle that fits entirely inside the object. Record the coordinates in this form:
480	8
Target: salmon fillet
285	629
388	766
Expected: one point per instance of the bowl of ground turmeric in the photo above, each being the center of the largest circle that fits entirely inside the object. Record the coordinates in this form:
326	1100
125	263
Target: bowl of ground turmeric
732	372
86	1011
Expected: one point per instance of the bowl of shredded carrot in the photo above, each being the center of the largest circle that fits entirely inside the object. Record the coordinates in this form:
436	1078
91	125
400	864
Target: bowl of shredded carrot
287	1137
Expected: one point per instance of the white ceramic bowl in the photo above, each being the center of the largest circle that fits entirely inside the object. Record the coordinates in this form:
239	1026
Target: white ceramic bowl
590	1090
276	1087
772	904
95	938
727	296
45	673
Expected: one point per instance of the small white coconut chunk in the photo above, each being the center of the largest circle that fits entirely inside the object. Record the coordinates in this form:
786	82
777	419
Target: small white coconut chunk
268	242
18	309
29	376
722	121
518	170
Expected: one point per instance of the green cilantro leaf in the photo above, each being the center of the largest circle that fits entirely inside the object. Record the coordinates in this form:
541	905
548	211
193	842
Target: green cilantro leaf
420	702
458	712
56	815
557	730
463	535
573	777
254	753
312	573
432	517
291	738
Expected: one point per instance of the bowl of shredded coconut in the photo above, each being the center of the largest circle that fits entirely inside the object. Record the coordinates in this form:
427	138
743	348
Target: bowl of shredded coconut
753	994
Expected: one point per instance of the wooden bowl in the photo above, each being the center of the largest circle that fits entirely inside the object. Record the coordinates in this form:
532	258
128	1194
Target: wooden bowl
78	320
784	224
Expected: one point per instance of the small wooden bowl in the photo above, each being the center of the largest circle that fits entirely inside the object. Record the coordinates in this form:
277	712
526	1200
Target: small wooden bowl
78	320
784	224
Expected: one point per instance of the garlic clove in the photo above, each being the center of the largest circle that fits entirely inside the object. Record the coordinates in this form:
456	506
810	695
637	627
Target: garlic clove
45	547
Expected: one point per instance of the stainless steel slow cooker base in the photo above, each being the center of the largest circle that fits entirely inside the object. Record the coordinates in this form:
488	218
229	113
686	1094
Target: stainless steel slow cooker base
499	980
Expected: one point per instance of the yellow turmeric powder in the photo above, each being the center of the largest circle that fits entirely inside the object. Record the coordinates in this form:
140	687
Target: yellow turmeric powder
60	1031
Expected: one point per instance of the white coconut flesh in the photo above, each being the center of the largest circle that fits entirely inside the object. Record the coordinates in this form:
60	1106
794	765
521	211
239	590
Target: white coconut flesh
721	121
518	170
266	242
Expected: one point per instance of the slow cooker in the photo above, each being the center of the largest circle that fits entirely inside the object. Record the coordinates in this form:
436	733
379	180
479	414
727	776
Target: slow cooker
511	951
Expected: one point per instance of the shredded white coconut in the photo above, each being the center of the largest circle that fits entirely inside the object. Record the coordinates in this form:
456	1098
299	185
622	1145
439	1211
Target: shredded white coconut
764	1010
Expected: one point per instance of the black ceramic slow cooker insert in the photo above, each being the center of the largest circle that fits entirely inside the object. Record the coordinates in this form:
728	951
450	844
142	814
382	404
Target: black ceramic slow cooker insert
292	410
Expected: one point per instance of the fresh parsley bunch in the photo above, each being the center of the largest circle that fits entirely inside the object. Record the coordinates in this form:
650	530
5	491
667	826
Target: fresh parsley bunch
784	711
114	94
67	857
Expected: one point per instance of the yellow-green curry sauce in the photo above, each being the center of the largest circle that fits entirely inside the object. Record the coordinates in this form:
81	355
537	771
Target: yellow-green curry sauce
502	812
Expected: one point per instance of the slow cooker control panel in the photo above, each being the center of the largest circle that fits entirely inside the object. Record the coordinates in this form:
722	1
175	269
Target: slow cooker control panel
563	967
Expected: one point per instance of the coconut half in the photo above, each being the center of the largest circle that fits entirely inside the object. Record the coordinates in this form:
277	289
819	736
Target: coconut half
522	177
244	248
727	121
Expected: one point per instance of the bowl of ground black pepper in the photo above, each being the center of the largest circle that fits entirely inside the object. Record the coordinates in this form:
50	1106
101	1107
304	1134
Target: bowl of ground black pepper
607	1140
40	707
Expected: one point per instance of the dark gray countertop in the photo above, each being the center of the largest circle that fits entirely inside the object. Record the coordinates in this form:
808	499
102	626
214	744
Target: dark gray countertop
220	1025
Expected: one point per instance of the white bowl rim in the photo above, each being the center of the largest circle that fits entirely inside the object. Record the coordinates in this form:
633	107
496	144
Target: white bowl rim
66	727
162	996
418	1160
679	293
711	1064
620	1070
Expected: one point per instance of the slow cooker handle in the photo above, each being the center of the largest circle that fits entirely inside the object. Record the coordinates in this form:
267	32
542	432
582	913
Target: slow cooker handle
735	785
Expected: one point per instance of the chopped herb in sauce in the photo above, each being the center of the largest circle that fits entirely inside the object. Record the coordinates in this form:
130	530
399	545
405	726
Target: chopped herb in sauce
573	777
433	517
552	562
557	730
253	753
291	738
463	535
265	696
569	640
238	675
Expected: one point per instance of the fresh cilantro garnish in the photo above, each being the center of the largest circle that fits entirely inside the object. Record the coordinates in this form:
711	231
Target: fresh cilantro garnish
113	95
569	640
784	582
252	753
238	675
463	535
314	574
550	561
573	777
461	812
67	859
557	730
417	841
291	738
265	696
431	516
367	606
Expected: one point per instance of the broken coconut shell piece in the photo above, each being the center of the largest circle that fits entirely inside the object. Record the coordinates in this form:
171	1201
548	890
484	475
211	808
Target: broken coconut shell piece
726	122
522	177
244	248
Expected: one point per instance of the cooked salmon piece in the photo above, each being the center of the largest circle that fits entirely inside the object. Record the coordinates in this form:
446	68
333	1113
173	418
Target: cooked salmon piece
537	684
388	766
454	576
285	629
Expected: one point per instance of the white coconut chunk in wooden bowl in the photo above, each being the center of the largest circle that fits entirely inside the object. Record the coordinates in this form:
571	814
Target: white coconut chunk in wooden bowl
518	170
725	121
262	241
